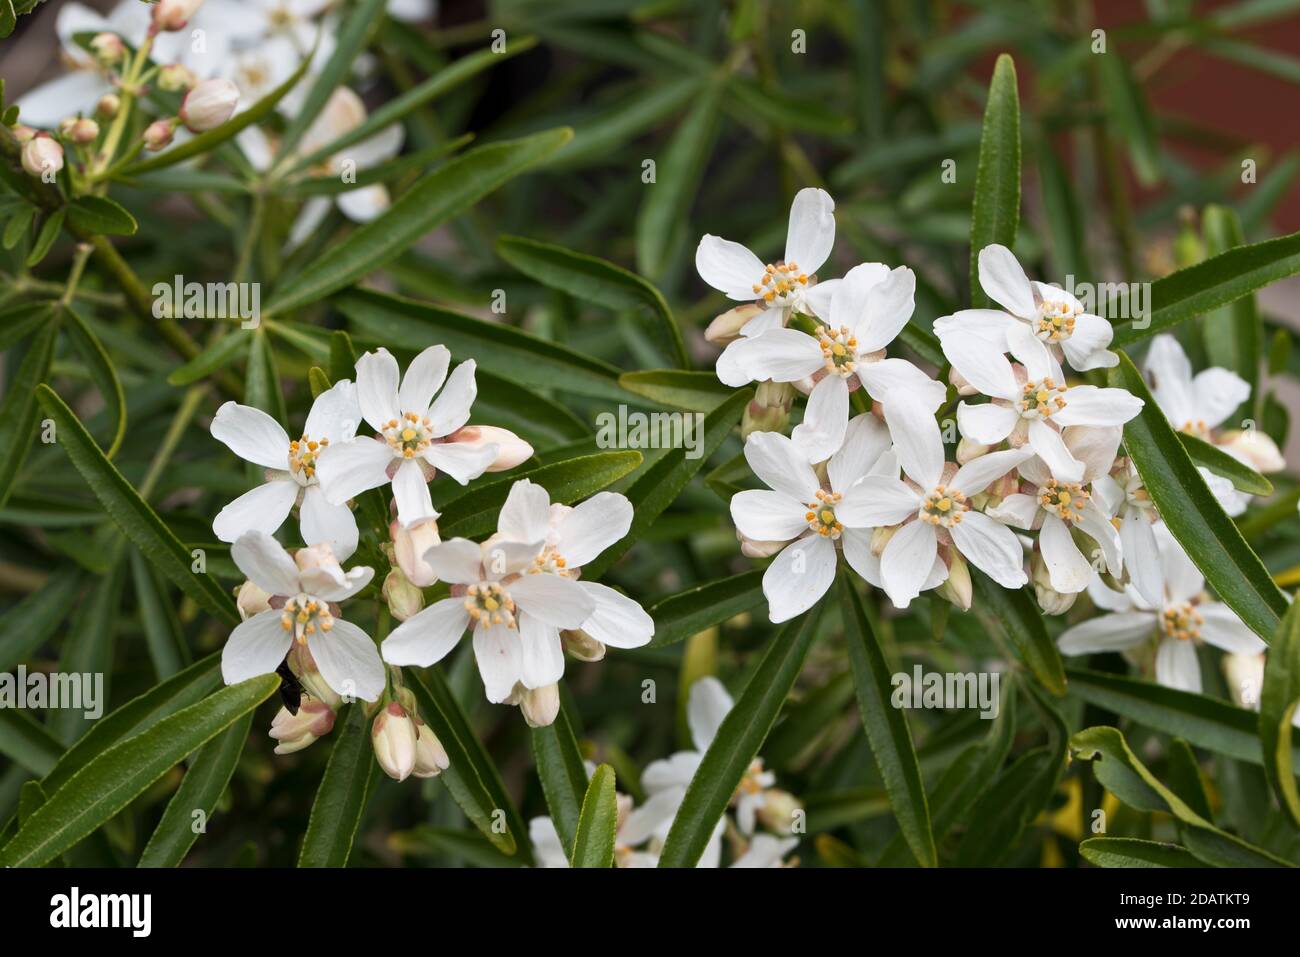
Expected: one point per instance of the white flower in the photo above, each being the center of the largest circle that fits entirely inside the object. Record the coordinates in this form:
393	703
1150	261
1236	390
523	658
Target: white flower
867	310
781	287
1056	509
306	590
516	615
1123	495
933	508
342	113
1182	617
1199	404
414	431
636	826
815	517
766	850
572	537
290	470
1050	313
1031	402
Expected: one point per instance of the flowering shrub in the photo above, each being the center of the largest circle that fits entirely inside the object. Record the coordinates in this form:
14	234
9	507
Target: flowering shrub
383	514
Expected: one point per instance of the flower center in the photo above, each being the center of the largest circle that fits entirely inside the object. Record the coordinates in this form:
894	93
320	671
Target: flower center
551	562
1064	499
1197	428
303	453
1055	321
1041	398
755	779
305	616
779	282
1181	621
1136	494
944	507
821	515
839	350
408	436
490	604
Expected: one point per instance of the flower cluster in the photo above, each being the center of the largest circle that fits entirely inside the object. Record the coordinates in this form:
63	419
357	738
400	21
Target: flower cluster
759	831
1037	489
520	591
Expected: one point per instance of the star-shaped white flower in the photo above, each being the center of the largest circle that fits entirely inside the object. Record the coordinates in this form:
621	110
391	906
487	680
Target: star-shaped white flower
290	470
781	287
1183	617
933	507
305	590
1052	315
868	308
1031	401
414	433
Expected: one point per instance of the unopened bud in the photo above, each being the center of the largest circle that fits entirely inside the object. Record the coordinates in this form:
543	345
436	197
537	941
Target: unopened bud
303	666
252	600
753	548
511	449
430	756
315	556
42	155
1256	447
957	587
404	599
777	812
726	328
83	131
209	104
1051	601
314	719
175	77
108	105
540	706
174	14
968	450
23	134
394	738
880	538
581	645
108	48
158	134
769	410
409	547
960	384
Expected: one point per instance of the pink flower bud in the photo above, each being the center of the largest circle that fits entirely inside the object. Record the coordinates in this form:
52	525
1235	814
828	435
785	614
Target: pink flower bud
108	105
209	104
23	134
430	756
404	599
314	719
42	155
174	14
317	556
726	327
175	77
394	738
539	706
83	131
108	48
409	546
158	134
511	449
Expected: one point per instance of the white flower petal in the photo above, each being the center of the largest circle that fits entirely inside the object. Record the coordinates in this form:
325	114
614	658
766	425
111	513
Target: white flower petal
411	493
1096	525
255	647
348	661
766	516
825	419
1169	367
992	548
1177	665
541	660
426	637
500	660
1091	406
1217	393
461	460
977	474
46	106
1067	567
1005	282
324	523
264	508
451	409
991	325
377	376
981	363
1085	349
557	601
728	267
346	469
266	563
335	414
1094	446
897	380
525	517
1115	632
592	526
907	560
889	305
856	546
456	561
876	502
1142	559
866	439
782	355
617	621
424	377
811	233
1222	628
1032	353
1183	580
1018	510
987	423
364	204
1050	447
707	706
781	466
917	441
252	435
799	576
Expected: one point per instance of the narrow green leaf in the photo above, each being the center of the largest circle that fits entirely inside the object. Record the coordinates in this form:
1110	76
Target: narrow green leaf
995	211
1121	773
341	797
103	373
18	225
692	611
1211	283
317	381
596	280
1193	515
737	742
100	215
201	788
1233	334
1014	613
1131	852
562	774
471	777
570	481
593	846
542	421
663	213
114	778
1242	476
658	486
214	357
433	200
18	412
886	727
444	842
693	391
30	623
45	238
343	357
1277	708
132	514
28	743
162	628
1127	111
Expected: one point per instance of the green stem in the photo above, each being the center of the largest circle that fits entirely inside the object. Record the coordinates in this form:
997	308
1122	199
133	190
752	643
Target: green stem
180	421
74	277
